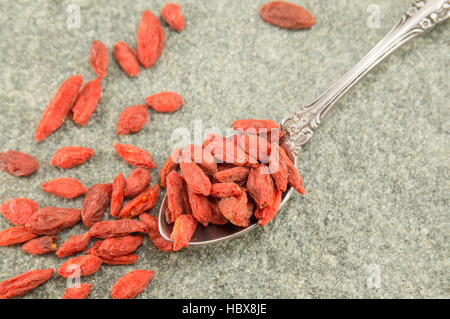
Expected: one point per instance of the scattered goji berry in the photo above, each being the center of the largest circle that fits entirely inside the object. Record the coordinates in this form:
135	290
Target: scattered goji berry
132	284
236	174
151	224
174	195
287	15
71	156
86	102
149	40
172	15
266	214
117	195
183	230
129	259
80	291
201	209
260	185
141	203
56	112
98	58
228	189
93	250
24	283
51	220
95	203
217	217
202	157
235	209
195	178
165	102
170	165
18	211
65	187
84	265
73	245
18	163
134	155
138	181
243	125
126	58
116	228
15	235
132	119
119	246
41	245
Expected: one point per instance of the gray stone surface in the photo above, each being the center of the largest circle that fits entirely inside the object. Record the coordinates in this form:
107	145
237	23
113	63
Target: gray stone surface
377	171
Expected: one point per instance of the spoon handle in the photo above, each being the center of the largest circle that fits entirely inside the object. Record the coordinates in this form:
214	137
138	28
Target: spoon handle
421	16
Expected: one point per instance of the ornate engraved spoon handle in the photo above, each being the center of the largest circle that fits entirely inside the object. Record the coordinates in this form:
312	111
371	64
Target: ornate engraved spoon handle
421	15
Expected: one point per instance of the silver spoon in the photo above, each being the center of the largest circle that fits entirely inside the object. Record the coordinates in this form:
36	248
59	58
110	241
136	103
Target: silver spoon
421	16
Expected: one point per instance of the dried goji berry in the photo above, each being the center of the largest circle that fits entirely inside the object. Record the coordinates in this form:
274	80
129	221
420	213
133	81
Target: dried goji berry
115	228
243	125
260	185
71	156
235	209
287	15
98	58
170	165
202	157
65	187
201	209
129	259
149	39
132	284
151	223
217	217
174	195
18	211
236	174
186	205
134	155
126	58
41	245
118	246
183	230
93	250
278	168
24	283
221	190
266	214
144	201
95	203
51	220
294	178
165	102
56	112
172	15
15	235
73	245
256	146
137	182
86	102
84	265
18	163
195	178
227	151
117	195
132	119
80	291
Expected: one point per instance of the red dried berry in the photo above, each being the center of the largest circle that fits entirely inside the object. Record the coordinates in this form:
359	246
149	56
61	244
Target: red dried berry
41	245
19	211
287	15
98	58
84	265
221	190
183	230
126	58
141	203
195	178
24	283
235	174
201	209
15	235
235	209
18	163
132	284
202	157
134	155
172	15
278	168
65	187
244	125
174	195
51	220
149	40
71	156
138	181
121	260
73	245
170	165
117	195
132	119
95	203
227	151
56	112
217	217
266	214
151	223
294	178
116	228
118	246
80	291
165	102
256	146
87	102
260	185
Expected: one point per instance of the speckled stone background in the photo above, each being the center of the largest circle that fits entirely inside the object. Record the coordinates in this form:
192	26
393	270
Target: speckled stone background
375	221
